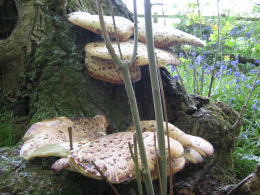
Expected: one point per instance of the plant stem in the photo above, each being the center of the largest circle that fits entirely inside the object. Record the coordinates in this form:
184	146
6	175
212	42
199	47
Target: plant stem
124	68
156	95
216	54
239	118
139	137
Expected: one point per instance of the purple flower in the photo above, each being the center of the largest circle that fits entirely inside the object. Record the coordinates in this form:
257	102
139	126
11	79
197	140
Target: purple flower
255	106
252	71
198	60
248	85
193	54
243	136
257	61
237	81
176	77
173	68
229	71
190	66
237	74
243	77
257	82
231	101
234	63
181	54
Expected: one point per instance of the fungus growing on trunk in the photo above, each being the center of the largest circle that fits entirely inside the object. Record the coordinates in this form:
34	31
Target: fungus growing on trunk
51	137
112	155
167	36
124	27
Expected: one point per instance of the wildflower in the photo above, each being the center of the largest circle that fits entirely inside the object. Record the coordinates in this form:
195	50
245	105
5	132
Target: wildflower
190	66
237	74
198	60
248	85
193	54
181	54
243	136
176	77
252	71
257	82
255	106
257	61
243	77
229	71
231	102
173	68
234	63
237	81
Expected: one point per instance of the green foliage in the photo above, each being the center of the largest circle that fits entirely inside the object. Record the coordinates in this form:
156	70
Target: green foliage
7	136
233	80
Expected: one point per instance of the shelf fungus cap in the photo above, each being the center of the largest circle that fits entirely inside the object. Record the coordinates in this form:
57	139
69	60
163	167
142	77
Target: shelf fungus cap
124	27
106	70
112	156
200	145
167	36
51	137
164	57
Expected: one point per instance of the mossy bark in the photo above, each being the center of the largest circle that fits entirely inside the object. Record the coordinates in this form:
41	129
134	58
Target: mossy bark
43	76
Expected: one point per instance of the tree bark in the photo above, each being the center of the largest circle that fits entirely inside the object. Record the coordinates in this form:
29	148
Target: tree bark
43	76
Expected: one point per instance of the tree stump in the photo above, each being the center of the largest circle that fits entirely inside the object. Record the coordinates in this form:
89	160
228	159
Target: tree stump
43	76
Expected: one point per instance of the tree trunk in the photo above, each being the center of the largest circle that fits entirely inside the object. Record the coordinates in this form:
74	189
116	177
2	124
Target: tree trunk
43	76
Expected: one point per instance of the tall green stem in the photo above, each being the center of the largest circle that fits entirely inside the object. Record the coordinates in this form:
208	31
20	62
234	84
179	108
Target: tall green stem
131	96
124	68
156	95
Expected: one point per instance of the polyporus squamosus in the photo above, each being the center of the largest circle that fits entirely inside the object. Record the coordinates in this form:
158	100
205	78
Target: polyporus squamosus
124	27
99	63
112	156
167	36
193	144
106	70
51	137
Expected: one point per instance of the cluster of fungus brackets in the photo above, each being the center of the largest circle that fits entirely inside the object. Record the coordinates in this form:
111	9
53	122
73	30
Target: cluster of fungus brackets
110	153
98	62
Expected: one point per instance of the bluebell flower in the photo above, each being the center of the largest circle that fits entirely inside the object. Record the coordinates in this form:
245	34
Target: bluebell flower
205	37
243	136
253	39
237	74
257	61
229	72
248	86
243	77
190	66
255	105
252	71
193	54
231	101
257	82
198	60
237	57
181	54
176	77
237	81
173	68
234	63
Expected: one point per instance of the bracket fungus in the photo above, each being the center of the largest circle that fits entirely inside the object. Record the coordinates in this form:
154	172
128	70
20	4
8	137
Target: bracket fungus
106	70
194	146
124	27
112	156
167	36
51	137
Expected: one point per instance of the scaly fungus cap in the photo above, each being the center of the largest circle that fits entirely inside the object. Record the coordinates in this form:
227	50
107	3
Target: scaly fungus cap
167	36
125	28
112	156
98	49
51	137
